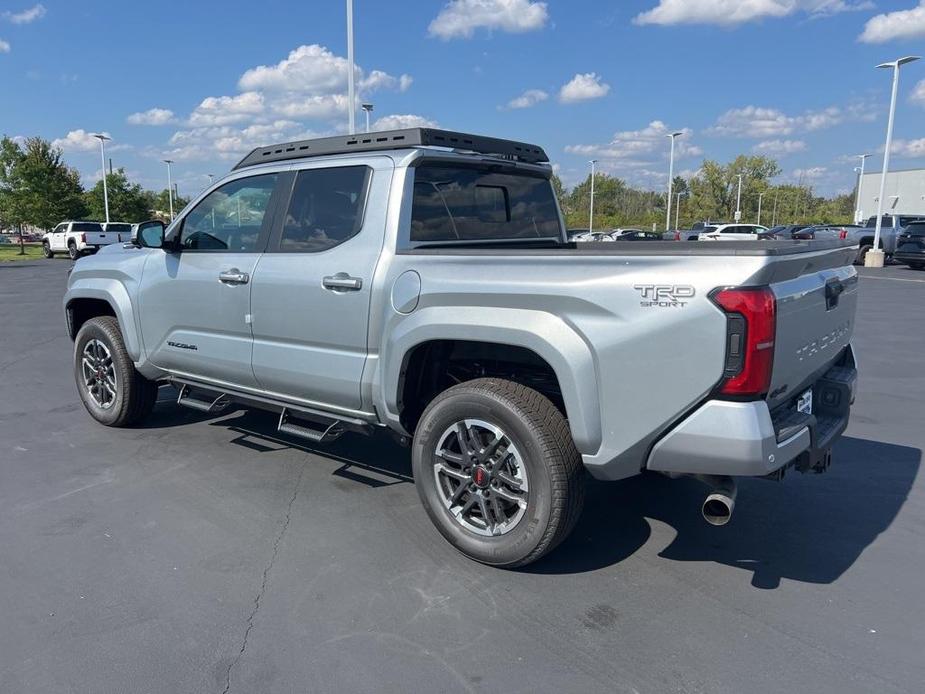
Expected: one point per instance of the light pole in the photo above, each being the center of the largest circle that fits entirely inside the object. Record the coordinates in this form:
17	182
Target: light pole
367	108
677	209
351	107
760	195
877	259
857	201
102	138
169	186
739	201
671	136
591	216
774	213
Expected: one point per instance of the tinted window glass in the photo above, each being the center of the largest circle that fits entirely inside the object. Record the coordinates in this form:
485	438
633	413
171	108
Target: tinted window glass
916	229
454	203
87	226
229	218
118	227
326	208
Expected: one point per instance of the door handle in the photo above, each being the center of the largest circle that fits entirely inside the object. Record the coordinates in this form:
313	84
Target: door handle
233	276
342	282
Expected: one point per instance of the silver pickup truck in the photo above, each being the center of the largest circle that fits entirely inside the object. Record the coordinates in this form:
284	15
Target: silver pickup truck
421	280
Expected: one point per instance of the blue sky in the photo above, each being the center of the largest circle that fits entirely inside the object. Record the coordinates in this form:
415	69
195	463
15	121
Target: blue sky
203	82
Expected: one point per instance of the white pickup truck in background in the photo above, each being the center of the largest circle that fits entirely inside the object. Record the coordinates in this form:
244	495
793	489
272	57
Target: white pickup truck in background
78	238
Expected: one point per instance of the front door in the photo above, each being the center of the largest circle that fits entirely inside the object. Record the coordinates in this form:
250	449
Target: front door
311	292
194	302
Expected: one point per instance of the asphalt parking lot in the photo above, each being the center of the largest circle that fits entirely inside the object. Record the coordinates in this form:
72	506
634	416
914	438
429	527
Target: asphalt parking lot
205	554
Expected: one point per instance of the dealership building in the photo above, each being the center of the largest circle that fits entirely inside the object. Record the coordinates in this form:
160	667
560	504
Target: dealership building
904	193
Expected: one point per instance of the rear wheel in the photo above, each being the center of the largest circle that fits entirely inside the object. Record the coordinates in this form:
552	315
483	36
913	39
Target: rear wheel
862	255
497	471
46	250
72	251
111	389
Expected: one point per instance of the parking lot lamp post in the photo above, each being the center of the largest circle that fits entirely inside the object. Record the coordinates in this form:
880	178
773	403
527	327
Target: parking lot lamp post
774	213
169	187
877	259
367	108
857	201
671	136
351	107
591	215
760	195
738	214
677	209
102	138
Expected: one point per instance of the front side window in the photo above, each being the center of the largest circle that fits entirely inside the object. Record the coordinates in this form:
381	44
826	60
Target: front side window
326	208
229	218
460	203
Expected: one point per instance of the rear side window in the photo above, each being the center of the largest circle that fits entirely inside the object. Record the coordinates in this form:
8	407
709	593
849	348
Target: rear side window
87	226
326	208
458	203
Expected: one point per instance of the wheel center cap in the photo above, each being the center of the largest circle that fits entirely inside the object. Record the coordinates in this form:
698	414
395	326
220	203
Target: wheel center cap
481	477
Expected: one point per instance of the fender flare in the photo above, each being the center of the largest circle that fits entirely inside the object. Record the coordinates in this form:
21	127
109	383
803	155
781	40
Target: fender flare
548	336
116	295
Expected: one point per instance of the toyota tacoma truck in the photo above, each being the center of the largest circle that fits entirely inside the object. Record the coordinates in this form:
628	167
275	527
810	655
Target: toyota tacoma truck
78	238
422	281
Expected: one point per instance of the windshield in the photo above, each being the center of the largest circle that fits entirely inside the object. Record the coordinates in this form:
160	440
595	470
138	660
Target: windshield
466	203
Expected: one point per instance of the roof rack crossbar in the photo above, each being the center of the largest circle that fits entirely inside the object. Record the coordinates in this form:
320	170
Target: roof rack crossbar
391	139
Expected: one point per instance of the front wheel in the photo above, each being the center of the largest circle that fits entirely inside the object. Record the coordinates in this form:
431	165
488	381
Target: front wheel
113	392
497	471
46	250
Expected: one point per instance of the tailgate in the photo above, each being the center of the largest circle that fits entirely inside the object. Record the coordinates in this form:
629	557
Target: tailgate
815	321
103	238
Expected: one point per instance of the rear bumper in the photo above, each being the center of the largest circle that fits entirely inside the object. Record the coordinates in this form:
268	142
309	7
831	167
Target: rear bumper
747	439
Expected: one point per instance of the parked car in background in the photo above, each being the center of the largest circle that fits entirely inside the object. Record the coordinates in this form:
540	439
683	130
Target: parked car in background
889	232
910	246
733	232
824	231
786	231
600	236
636	235
5	240
123	228
79	238
682	234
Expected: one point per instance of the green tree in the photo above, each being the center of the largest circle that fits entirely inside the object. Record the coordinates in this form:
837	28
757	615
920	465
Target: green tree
12	201
159	204
714	189
50	189
127	201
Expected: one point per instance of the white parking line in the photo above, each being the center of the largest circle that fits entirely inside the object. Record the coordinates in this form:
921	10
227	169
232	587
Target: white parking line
895	279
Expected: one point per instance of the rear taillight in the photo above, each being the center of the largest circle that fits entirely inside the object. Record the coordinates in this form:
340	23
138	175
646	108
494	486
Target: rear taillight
83	238
843	234
677	236
751	325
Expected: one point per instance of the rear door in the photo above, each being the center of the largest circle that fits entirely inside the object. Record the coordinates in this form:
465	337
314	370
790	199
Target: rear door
311	291
195	302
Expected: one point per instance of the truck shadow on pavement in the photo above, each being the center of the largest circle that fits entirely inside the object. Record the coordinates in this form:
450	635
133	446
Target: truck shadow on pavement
807	528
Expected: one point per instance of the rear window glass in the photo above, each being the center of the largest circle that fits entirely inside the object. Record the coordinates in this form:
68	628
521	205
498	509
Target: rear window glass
456	203
118	227
87	226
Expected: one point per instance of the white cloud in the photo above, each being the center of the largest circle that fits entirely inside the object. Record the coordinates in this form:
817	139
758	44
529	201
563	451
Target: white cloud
734	12
460	18
397	122
631	147
918	93
223	110
28	16
78	141
760	122
227	142
813	173
4	46
779	147
153	116
912	149
582	87
529	98
894	26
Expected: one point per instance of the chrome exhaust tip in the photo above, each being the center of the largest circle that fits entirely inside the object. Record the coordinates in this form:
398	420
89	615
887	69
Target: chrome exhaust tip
718	506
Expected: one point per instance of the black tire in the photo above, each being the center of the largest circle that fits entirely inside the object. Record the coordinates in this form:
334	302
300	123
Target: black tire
72	251
551	463
132	396
917	266
46	250
862	254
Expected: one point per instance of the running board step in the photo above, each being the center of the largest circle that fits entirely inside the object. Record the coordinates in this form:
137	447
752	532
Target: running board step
318	432
212	406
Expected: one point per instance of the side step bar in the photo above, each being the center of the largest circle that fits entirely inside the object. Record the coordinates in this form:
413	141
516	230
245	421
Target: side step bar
213	406
318	432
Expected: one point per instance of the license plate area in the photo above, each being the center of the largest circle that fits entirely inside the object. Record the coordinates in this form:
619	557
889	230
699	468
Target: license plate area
805	402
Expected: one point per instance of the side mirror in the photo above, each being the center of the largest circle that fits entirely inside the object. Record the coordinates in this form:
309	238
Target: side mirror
150	234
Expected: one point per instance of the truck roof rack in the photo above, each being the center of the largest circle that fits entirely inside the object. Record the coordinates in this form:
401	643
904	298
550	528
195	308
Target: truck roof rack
392	139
